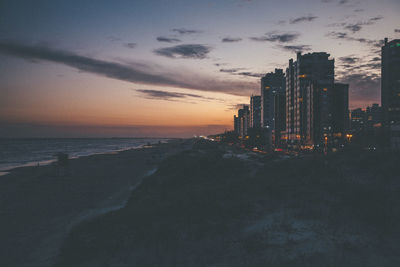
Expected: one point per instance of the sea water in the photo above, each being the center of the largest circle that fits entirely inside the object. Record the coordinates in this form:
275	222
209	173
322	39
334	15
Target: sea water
30	152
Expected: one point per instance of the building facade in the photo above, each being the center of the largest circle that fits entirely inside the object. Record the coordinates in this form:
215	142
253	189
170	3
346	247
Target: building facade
255	111
273	106
309	85
373	116
390	82
340	110
244	120
236	124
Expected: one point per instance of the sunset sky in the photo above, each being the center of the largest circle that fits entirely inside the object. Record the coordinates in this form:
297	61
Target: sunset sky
171	67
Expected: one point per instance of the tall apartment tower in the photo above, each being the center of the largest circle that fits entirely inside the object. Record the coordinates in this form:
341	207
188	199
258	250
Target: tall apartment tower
273	110
236	124
244	120
255	111
271	84
309	81
390	87
340	109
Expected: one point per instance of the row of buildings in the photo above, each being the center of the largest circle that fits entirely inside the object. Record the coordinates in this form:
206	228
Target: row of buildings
301	107
304	107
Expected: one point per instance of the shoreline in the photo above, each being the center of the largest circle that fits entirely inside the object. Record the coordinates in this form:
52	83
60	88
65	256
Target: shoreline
40	207
7	170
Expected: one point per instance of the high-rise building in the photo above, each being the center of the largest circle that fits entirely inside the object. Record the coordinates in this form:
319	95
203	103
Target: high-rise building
309	82
390	87
357	121
271	84
244	121
364	121
279	118
340	109
255	111
273	103
236	124
373	116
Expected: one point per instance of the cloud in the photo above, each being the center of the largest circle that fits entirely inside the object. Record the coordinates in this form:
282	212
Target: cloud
364	87
303	19
349	59
377	18
113	39
396	30
196	51
295	48
237	71
276	37
135	73
170	96
231	40
357	26
359	10
168	40
233	70
356	65
250	74
371	66
338	35
184	31
363	75
220	64
130	45
340	2
345	36
353	27
235	107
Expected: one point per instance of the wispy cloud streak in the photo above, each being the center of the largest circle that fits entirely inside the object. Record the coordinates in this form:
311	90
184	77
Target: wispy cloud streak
303	19
231	40
172	96
276	37
197	51
135	73
168	39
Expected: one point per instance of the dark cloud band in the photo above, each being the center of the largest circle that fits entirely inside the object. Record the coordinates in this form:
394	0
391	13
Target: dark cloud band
276	37
196	51
168	40
231	40
130	73
303	19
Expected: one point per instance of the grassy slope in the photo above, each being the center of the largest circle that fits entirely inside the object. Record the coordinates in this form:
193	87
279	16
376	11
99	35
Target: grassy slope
202	209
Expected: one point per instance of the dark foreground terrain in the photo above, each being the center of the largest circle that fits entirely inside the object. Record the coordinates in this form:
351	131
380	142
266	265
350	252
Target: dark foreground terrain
38	206
213	206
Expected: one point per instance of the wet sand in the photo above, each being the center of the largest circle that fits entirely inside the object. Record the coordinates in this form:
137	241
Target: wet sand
38	206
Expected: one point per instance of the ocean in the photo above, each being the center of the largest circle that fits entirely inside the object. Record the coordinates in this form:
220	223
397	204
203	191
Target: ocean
29	152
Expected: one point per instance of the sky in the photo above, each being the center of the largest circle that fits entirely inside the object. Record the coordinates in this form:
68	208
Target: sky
173	68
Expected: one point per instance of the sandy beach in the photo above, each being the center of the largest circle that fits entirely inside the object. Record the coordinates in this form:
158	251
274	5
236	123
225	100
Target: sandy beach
218	205
38	206
204	203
